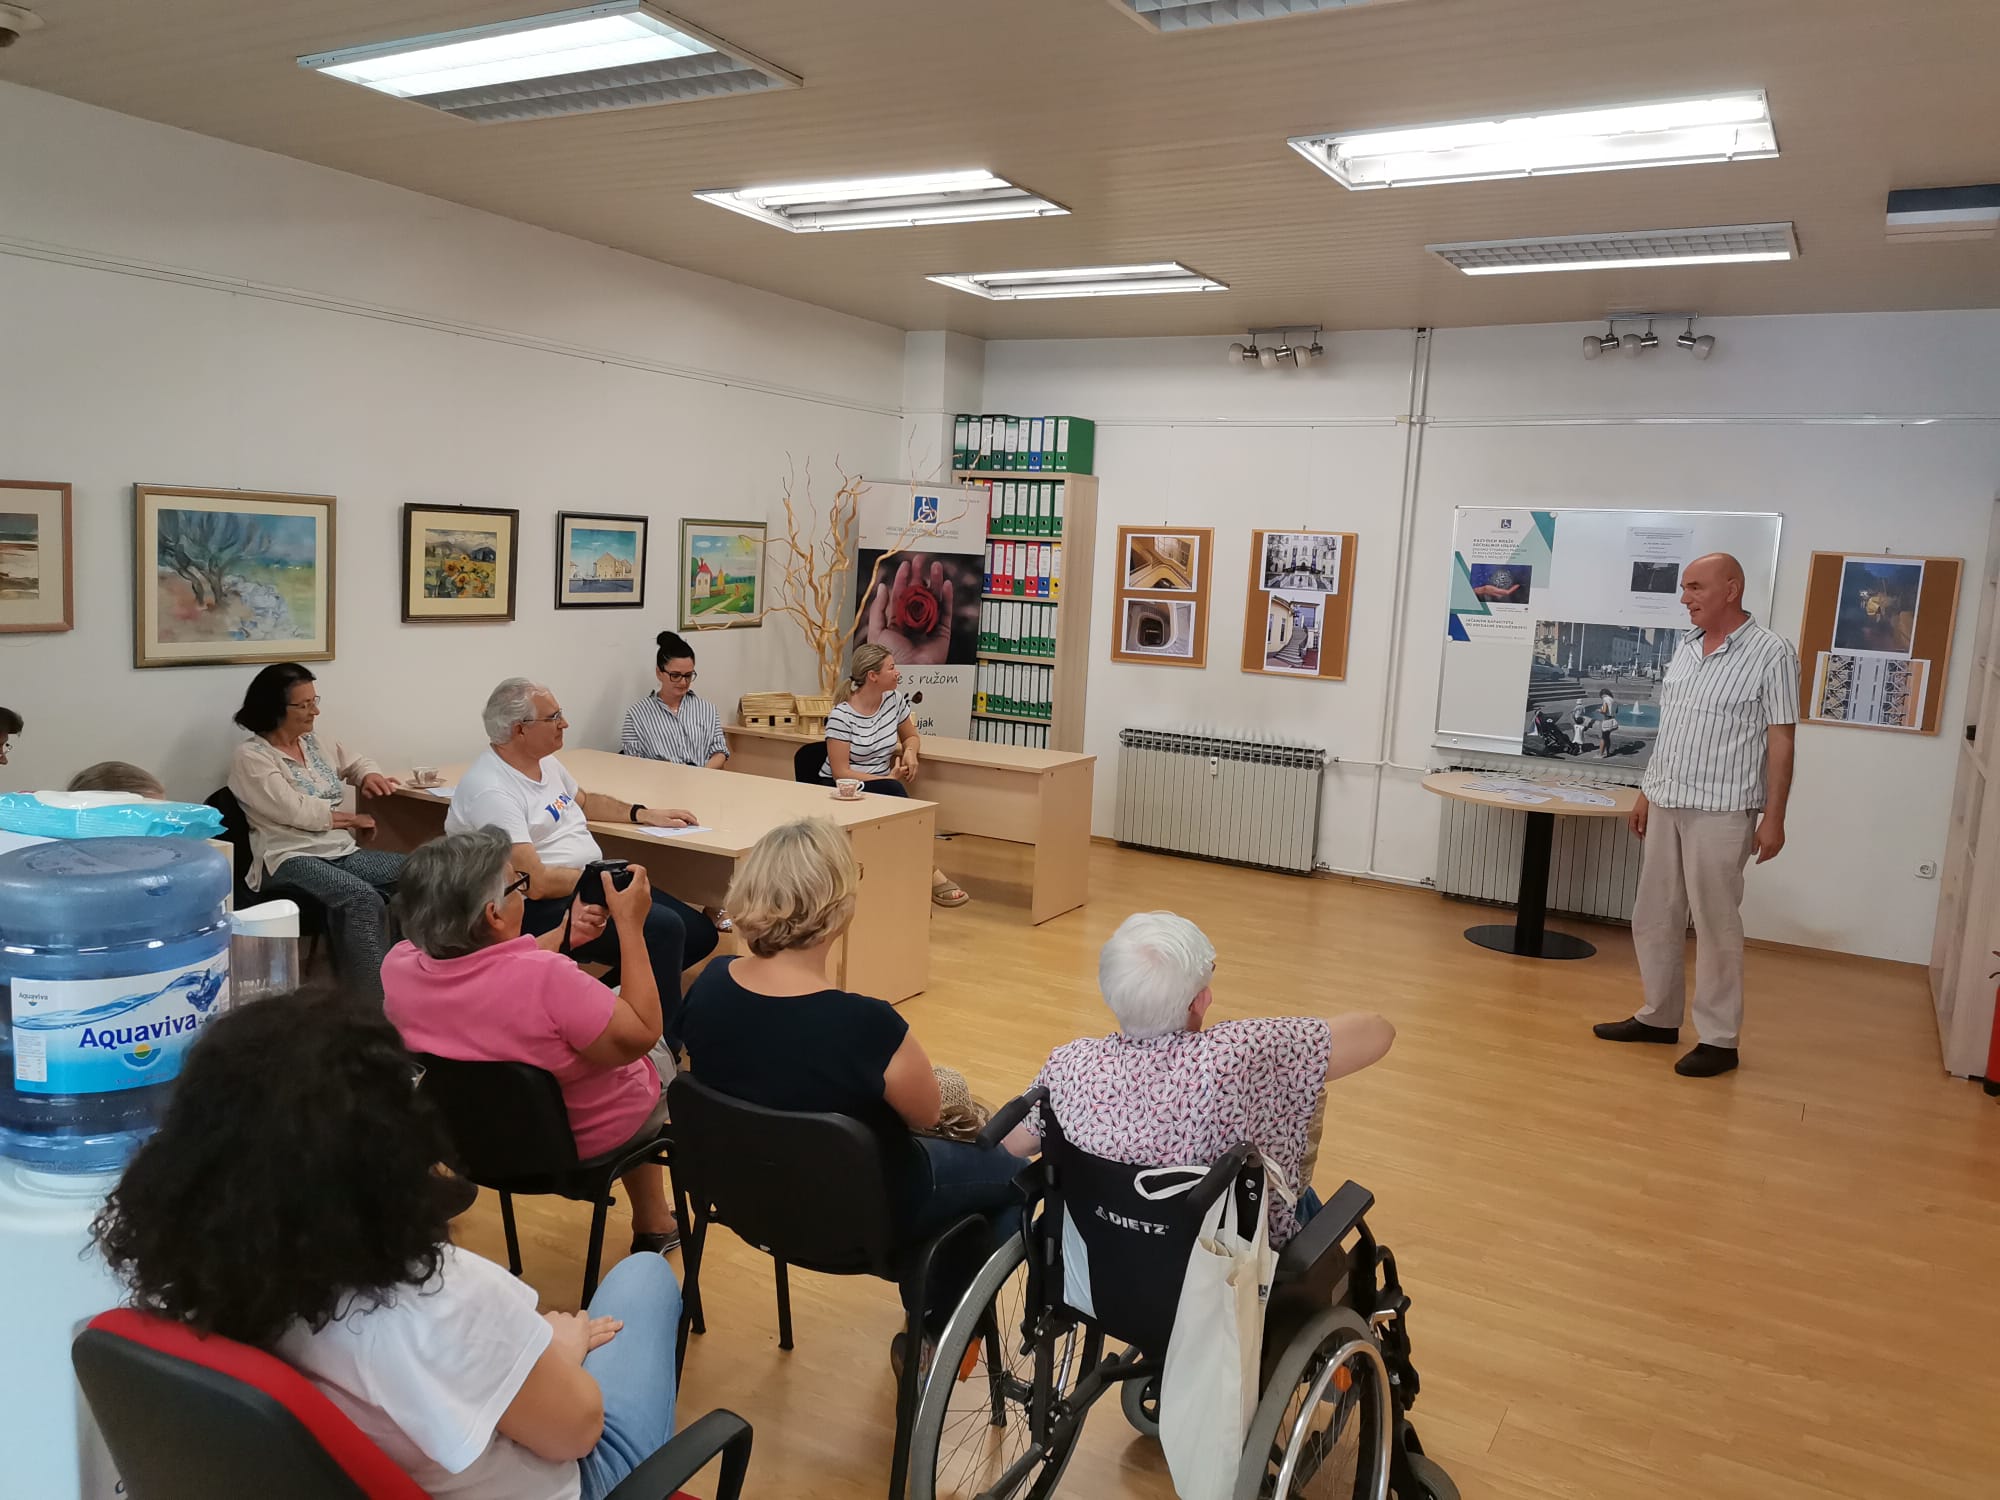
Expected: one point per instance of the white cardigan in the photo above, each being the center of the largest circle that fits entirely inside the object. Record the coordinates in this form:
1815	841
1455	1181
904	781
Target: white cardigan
291	806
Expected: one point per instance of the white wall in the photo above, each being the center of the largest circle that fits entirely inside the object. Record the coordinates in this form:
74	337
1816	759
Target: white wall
1788	416
178	310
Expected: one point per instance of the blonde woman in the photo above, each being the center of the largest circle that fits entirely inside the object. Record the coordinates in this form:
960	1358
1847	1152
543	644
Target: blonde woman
871	735
773	1029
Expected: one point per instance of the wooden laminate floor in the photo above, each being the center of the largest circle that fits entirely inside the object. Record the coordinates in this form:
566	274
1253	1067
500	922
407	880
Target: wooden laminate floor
1628	1286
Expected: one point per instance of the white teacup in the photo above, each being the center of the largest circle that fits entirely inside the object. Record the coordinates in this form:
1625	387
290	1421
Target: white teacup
847	788
423	776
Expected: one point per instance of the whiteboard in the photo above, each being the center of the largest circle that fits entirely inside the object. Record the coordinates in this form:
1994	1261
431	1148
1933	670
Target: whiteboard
1525	583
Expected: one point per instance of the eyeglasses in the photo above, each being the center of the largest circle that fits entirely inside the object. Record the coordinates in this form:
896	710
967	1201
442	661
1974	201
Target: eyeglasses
518	883
305	704
554	718
679	676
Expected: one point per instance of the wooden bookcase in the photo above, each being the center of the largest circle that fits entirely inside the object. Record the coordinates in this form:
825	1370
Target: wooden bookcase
1078	541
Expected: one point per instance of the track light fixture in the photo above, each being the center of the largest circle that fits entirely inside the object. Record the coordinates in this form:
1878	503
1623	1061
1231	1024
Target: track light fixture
1295	345
1632	345
1594	345
1700	347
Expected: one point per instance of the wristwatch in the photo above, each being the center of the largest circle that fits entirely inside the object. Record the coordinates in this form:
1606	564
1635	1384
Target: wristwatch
637	808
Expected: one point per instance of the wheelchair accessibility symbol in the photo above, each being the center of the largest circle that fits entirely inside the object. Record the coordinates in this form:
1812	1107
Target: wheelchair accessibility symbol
925	509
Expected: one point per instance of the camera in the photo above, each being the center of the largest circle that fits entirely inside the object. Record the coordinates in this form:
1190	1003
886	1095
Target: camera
590	885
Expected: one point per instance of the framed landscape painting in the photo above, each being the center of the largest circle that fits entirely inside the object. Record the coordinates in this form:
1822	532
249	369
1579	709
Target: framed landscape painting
459	563
231	577
722	574
35	568
600	561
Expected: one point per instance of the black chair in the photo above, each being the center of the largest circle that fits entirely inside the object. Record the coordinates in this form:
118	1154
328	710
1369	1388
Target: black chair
806	761
809	1190
236	829
194	1418
510	1127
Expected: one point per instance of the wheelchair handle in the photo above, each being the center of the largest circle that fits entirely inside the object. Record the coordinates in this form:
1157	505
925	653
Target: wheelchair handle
1008	1115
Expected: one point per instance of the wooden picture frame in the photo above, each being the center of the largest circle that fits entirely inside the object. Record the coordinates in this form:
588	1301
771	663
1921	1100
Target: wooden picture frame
722	576
1299	603
460	563
1160	604
37	564
231	577
1875	640
600	561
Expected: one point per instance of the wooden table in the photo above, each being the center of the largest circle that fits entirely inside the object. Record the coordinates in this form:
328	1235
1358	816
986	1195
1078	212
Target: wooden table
1037	797
887	949
1528	935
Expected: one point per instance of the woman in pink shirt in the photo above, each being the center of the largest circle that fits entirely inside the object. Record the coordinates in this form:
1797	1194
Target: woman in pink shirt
468	985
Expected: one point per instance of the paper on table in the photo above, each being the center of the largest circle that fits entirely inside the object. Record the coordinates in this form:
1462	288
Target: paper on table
1582	798
442	789
675	833
1518	796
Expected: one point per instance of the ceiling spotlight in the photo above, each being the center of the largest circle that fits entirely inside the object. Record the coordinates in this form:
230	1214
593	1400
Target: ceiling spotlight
1630	345
1686	340
1268	356
1650	340
1592	346
1237	354
1313	353
1703	346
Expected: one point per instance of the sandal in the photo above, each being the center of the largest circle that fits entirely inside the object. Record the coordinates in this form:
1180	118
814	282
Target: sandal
944	893
721	920
656	1244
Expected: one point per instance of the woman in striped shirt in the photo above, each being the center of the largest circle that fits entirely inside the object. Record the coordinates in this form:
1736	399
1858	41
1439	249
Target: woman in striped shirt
677	724
871	735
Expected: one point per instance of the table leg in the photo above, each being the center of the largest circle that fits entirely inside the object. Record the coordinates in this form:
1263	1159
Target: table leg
1062	844
887	952
1528	935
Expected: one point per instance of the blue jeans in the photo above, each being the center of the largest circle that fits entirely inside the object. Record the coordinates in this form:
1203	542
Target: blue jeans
964	1179
635	1370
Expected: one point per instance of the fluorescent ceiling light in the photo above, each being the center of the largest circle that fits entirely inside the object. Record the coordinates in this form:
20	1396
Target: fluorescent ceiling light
885	202
617	55
1196	15
1646	247
1082	281
1729	127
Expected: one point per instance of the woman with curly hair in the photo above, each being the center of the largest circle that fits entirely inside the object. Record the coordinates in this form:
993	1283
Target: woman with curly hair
292	1200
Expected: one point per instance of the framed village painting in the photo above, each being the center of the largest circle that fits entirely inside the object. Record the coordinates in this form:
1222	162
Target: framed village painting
231	577
722	574
600	561
36	575
459	563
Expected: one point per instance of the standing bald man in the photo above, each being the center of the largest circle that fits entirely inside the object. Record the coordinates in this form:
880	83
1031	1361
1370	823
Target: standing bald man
1715	791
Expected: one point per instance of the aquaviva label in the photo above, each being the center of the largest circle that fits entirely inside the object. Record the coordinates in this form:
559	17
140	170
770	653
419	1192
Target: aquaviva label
96	1036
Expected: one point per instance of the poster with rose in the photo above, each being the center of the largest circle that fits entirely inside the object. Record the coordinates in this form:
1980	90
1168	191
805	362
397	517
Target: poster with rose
919	568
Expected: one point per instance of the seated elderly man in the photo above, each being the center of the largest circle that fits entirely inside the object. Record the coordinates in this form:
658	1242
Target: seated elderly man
1165	1091
519	787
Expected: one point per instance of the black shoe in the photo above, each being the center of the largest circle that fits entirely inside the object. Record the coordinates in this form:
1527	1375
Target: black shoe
656	1244
1633	1029
1706	1061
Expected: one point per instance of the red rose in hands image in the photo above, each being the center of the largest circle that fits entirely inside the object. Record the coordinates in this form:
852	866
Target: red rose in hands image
917	612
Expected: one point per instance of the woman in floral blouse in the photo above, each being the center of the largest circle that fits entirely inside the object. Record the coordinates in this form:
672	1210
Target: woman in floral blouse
293	784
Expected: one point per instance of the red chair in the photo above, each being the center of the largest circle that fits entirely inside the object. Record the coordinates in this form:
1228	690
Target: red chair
188	1417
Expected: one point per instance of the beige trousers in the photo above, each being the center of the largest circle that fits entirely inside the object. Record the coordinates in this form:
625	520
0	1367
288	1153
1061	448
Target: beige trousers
1693	867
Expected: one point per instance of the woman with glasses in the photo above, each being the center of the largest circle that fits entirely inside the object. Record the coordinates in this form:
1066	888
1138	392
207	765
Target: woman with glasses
468	984
676	723
293	784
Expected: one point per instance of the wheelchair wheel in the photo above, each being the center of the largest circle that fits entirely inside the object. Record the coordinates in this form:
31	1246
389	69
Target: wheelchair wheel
1321	1429
980	1435
1433	1483
1141	1400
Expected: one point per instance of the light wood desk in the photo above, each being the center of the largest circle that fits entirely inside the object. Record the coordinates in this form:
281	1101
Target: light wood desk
888	947
1038	797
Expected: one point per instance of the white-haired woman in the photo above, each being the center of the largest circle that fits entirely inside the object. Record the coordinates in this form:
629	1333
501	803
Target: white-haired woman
773	1029
871	735
1163	1090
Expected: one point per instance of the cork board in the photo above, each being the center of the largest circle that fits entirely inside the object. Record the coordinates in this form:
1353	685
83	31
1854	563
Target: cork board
1875	643
1300	600
1160	607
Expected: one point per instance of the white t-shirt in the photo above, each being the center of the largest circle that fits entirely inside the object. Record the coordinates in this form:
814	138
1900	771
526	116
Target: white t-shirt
547	813
428	1375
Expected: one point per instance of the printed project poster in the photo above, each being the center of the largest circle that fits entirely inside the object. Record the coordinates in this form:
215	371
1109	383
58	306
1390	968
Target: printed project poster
1501	561
1659	555
919	568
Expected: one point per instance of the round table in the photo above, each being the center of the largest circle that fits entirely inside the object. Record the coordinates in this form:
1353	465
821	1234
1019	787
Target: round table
1528	935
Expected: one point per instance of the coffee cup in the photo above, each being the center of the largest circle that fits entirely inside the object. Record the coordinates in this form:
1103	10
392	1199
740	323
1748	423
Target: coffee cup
423	775
847	788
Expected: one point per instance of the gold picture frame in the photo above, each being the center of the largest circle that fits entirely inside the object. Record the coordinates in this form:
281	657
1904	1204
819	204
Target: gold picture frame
37	565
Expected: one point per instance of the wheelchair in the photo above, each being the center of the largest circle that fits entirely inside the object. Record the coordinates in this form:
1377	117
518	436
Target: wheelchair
1101	1255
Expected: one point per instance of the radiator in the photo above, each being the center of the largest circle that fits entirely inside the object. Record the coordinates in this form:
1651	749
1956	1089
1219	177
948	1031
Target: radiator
1593	868
1242	799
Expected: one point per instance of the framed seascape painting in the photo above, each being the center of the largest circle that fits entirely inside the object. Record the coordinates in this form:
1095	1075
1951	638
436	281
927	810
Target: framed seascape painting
722	574
231	576
35	571
600	561
459	563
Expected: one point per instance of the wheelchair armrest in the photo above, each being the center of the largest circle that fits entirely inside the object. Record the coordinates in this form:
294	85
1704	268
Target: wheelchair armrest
1325	1229
686	1454
1007	1116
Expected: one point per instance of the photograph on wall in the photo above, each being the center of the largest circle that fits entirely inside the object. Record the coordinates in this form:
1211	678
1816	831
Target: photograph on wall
1877	612
922	606
1159	627
600	561
1502	585
1161	562
722	574
1656	577
1306	560
1294	624
1594	690
35	568
459	563
1885	691
231	576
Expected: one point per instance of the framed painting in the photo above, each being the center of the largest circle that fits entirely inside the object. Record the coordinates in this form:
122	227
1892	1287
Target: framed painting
722	574
36	575
459	563
229	577
600	561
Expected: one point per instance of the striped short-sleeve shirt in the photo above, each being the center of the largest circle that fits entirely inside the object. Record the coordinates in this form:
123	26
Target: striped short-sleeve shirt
871	738
1716	711
687	738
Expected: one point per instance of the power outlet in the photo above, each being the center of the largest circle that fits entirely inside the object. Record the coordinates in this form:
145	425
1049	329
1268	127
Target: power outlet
1927	870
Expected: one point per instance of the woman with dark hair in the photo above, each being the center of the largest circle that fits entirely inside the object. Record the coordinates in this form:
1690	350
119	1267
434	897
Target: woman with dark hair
292	1200
292	784
675	723
10	725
